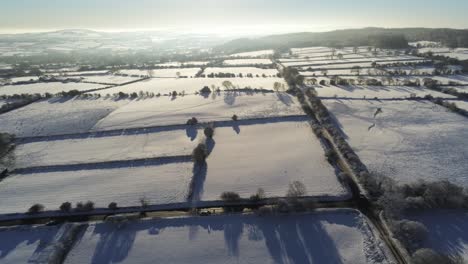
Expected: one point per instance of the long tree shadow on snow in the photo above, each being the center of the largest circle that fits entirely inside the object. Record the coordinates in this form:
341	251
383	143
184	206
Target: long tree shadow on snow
298	239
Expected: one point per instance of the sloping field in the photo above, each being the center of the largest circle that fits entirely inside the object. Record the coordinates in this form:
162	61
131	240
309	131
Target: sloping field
164	111
339	236
407	140
268	156
124	185
57	116
42	88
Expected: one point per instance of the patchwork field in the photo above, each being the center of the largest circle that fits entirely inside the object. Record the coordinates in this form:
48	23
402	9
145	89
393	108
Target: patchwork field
408	140
339	236
167	183
216	107
268	156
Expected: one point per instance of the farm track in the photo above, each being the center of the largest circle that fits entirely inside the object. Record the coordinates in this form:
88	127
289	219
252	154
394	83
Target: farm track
156	129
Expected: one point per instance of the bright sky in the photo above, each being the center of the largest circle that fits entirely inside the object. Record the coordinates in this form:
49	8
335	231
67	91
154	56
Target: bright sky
264	16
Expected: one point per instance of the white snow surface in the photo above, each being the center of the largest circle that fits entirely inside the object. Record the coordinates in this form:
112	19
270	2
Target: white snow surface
51	87
107	148
244	70
57	116
158	184
163	73
248	62
409	140
447	231
338	236
190	85
24	244
268	156
222	106
381	92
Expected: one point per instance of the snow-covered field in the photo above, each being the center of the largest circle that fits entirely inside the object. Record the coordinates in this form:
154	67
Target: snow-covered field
334	236
448	231
190	85
124	185
179	64
248	62
165	111
347	60
24	79
51	87
108	148
57	116
109	79
163	73
461	104
24	244
409	140
253	54
268	156
381	92
242	70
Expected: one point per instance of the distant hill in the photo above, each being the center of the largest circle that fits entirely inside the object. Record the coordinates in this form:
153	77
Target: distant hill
350	37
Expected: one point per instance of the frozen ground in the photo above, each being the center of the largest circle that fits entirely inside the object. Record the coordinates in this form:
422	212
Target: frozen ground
190	85
243	70
42	88
448	231
253	54
108	148
166	183
222	106
24	79
178	64
268	156
163	73
109	79
57	116
409	140
335	236
381	92
248	62
462	104
24	244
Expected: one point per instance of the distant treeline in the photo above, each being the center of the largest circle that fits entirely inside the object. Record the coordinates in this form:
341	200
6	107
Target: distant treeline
377	37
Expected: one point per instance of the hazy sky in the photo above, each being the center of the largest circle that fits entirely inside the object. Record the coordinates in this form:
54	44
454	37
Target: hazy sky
216	15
